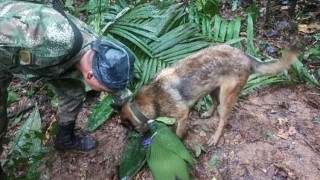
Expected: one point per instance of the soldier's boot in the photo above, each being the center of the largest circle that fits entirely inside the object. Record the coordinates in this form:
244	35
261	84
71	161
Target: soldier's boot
66	139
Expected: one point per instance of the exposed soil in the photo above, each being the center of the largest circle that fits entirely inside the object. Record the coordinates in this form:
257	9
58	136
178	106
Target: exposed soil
272	133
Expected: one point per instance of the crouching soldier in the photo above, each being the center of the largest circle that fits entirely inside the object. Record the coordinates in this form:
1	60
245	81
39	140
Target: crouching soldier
41	42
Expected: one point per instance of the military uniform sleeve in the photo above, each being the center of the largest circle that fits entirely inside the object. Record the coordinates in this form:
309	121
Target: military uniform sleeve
36	27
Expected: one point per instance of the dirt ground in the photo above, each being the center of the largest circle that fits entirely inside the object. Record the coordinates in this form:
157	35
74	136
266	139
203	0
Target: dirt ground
273	133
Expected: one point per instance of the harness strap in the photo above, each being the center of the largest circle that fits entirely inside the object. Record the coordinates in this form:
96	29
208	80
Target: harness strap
135	109
78	39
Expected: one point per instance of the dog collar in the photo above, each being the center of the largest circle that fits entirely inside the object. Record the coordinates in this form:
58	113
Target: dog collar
136	111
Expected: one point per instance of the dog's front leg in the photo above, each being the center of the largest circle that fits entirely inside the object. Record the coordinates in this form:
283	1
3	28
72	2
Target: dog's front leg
182	122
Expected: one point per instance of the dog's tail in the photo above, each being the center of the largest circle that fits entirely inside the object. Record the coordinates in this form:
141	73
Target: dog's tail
274	67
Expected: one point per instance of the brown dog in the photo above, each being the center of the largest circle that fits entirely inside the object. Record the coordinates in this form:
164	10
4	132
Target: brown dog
221	71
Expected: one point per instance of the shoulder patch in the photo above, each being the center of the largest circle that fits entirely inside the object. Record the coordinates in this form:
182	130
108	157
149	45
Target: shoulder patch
25	57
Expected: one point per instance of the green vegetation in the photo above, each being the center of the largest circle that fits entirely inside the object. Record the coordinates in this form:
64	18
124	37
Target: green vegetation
164	152
25	151
159	33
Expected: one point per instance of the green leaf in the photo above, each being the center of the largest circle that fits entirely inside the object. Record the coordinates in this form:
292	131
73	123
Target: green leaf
223	30
12	97
140	32
216	27
230	30
234	5
133	157
204	26
250	34
33	123
209	28
151	65
211	7
255	81
164	164
304	74
181	49
167	156
16	121
236	32
235	41
54	101
175	36
213	161
170	141
100	114
166	120
132	38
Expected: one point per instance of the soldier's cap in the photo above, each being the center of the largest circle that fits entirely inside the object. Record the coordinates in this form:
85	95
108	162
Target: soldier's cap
112	64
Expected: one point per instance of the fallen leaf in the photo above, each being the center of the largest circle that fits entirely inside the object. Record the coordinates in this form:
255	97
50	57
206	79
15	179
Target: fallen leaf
285	134
282	134
49	130
202	133
282	121
292	131
283	8
273	111
309	28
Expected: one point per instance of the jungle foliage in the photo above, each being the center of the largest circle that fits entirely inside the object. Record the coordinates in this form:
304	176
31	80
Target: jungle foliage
159	33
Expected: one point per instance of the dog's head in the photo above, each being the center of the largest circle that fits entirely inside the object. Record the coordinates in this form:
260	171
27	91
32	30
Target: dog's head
132	118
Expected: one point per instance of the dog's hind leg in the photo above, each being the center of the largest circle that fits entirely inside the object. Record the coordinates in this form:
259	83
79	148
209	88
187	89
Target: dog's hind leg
215	102
229	93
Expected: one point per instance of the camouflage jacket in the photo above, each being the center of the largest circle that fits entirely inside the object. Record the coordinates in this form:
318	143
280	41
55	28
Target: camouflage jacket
35	38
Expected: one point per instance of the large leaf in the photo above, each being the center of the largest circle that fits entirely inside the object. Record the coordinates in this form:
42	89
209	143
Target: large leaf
133	157
32	124
165	164
100	114
167	157
170	141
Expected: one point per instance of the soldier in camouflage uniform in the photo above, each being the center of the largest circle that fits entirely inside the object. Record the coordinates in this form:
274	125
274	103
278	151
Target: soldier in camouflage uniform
38	41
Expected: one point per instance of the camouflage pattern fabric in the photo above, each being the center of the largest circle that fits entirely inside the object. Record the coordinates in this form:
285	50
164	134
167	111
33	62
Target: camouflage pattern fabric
70	93
34	38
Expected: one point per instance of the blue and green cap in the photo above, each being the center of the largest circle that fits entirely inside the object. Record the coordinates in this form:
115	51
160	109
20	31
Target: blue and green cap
112	64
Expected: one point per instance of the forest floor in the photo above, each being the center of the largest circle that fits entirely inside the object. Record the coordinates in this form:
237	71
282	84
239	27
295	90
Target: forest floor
272	133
